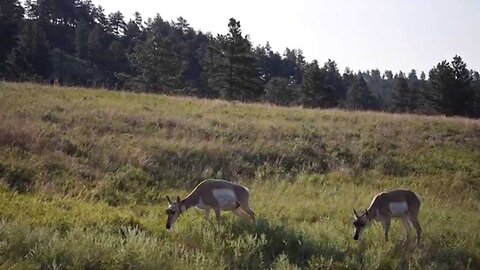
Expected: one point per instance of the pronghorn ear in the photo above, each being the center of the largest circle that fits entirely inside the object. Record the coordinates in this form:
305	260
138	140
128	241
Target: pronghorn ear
178	198
168	199
355	213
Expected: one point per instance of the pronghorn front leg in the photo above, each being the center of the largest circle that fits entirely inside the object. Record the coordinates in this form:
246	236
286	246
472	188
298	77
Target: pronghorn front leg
207	214
239	212
246	208
386	227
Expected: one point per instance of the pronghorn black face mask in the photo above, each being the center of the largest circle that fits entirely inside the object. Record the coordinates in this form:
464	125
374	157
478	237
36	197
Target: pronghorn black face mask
360	223
173	212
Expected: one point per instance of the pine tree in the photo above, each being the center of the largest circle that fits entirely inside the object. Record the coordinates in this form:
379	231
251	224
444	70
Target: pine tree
476	93
312	81
359	96
377	85
119	57
334	79
234	66
96	48
116	23
348	77
401	94
294	64
84	11
182	25
450	90
438	96
462	96
81	40
314	91
30	59
157	66
271	63
279	91
214	63
414	86
423	77
98	14
11	15
134	32
476	99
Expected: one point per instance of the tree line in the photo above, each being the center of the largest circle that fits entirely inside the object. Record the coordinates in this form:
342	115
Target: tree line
73	42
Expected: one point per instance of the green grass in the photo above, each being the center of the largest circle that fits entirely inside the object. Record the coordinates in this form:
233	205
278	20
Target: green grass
83	174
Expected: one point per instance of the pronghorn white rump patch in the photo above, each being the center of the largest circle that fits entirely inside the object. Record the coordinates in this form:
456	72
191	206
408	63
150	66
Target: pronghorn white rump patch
398	208
225	197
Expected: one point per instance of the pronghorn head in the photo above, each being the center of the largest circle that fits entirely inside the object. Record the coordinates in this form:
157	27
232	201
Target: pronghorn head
360	222
173	211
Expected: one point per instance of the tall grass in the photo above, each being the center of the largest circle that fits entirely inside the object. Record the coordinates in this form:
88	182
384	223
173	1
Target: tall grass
83	174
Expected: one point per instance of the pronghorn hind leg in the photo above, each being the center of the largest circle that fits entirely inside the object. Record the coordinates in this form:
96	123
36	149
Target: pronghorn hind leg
386	227
406	226
217	214
416	225
246	208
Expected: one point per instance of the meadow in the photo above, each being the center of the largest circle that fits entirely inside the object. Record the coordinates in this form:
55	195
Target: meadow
84	174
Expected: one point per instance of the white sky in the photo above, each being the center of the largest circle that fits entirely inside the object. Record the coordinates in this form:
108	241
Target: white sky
384	34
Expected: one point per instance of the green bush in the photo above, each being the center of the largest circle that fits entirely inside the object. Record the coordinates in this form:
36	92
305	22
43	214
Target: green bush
18	179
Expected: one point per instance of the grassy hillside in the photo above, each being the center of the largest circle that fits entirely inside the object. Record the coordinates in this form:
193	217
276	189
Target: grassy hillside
83	174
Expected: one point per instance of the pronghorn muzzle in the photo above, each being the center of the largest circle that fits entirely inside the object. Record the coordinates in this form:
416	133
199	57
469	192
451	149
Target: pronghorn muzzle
168	226
170	219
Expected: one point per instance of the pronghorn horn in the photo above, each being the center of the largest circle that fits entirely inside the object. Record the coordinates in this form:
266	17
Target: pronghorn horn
168	199
178	198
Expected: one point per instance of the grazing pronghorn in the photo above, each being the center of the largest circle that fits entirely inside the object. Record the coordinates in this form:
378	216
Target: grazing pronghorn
398	203
219	195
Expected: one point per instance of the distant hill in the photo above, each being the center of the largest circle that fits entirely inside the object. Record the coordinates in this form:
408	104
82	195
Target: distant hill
83	164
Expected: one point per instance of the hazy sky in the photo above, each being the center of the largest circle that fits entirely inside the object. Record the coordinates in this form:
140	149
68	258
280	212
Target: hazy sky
367	34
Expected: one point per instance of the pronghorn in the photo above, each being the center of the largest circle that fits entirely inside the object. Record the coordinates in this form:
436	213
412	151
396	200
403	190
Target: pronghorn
401	203
219	195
